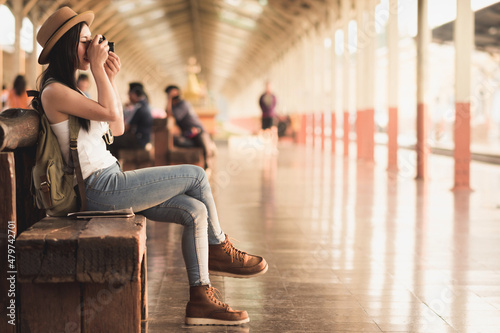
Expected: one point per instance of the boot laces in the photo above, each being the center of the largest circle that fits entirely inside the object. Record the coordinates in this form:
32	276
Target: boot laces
215	296
233	252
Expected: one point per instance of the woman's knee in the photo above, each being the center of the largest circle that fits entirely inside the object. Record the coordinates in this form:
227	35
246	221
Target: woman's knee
201	176
198	214
199	172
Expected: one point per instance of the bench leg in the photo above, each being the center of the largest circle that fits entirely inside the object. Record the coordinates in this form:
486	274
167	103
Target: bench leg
112	307
144	287
50	307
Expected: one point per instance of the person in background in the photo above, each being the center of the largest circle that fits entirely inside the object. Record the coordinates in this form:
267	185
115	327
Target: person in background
83	83
172	194
5	95
17	95
267	103
192	131
138	121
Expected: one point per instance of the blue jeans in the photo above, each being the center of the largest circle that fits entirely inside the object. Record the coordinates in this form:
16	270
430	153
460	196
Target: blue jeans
179	194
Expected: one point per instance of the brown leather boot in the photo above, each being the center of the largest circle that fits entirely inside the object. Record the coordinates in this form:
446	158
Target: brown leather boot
205	308
225	260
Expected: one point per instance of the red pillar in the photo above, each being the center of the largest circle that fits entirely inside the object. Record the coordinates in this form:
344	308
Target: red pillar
422	146
303	129
322	130
392	144
423	41
333	138
464	44
462	146
360	123
370	135
392	85
346	133
313	128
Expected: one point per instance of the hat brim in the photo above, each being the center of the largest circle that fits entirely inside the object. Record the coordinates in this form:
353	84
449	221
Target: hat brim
87	17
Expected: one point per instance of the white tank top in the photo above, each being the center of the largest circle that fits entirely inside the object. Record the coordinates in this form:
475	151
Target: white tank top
92	150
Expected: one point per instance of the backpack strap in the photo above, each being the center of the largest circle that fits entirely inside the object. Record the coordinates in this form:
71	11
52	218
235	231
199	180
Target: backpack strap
35	102
74	129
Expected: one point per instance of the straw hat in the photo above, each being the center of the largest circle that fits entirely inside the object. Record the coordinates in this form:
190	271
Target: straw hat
56	26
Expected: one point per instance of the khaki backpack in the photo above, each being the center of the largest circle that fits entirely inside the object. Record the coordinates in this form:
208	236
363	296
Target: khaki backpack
52	179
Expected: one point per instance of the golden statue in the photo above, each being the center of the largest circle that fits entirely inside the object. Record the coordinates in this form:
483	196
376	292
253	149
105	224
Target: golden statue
194	91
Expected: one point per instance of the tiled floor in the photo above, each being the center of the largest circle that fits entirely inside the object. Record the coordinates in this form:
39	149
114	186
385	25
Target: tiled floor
351	248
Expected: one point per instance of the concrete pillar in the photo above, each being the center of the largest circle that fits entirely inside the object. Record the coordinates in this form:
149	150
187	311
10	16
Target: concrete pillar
423	40
309	82
321	77
289	86
1	69
315	79
17	11
32	73
360	79
392	85
464	44
333	85
304	92
370	61
346	63
296	90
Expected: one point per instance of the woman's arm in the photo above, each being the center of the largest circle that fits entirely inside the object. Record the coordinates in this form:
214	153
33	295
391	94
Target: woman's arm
112	67
168	108
59	101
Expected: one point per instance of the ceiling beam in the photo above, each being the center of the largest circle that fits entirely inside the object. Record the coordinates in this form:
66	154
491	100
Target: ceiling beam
197	41
27	7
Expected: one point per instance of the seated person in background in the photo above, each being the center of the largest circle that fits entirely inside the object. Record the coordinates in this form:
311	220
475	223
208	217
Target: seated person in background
83	83
193	133
5	95
138	121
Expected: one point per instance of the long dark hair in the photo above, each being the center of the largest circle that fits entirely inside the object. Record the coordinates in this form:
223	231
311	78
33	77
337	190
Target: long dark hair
63	61
19	85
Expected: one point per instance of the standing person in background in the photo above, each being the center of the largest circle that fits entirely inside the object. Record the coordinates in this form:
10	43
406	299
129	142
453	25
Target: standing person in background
17	95
193	133
83	83
267	103
138	121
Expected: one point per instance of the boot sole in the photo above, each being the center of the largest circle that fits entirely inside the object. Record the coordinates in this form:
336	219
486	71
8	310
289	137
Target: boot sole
214	322
239	276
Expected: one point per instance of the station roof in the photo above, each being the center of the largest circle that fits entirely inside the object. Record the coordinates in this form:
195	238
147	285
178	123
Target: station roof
232	40
487	29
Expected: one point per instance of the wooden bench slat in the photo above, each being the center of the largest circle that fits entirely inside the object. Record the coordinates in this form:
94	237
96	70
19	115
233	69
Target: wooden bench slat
46	251
119	257
96	250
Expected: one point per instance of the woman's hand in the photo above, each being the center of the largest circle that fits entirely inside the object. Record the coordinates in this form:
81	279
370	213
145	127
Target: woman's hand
97	52
112	66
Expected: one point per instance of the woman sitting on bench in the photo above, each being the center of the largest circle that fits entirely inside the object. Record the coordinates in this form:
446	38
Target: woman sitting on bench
179	194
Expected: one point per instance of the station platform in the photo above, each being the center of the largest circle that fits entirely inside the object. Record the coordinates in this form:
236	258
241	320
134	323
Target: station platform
350	246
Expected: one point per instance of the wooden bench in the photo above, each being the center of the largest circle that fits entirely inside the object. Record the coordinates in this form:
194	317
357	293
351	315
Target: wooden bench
83	275
72	275
166	153
131	159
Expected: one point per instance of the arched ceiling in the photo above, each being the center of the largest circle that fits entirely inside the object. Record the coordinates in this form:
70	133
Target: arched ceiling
233	41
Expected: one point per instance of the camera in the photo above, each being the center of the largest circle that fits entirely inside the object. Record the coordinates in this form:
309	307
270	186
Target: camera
110	44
